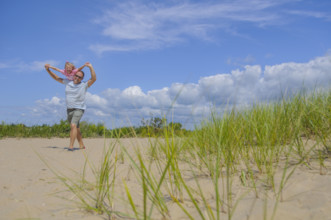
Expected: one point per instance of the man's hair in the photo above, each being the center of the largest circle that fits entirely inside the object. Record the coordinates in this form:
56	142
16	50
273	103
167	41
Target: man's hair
82	72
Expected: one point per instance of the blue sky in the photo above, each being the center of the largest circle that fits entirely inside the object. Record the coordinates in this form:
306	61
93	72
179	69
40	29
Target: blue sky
174	58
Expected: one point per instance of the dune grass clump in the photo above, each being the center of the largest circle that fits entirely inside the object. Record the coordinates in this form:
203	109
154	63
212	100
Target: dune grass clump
251	145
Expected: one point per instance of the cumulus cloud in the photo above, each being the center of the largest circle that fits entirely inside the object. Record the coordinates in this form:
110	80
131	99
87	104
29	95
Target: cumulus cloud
291	77
49	105
95	100
185	94
46	111
189	103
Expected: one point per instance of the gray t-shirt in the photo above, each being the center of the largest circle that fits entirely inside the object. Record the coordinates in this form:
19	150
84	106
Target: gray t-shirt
75	94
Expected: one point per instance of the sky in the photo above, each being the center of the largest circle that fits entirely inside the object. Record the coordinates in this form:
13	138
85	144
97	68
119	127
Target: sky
179	59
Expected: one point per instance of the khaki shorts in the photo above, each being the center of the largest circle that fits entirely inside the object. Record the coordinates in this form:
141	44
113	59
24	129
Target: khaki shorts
74	115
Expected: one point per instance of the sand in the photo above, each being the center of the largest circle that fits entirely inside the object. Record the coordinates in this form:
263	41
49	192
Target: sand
30	190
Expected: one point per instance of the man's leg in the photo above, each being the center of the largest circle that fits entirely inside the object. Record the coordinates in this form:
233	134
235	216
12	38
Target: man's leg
73	135
80	139
74	128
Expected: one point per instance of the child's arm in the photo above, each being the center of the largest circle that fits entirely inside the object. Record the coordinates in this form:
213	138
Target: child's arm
82	67
57	69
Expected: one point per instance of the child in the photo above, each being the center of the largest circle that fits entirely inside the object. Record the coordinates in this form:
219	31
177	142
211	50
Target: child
69	70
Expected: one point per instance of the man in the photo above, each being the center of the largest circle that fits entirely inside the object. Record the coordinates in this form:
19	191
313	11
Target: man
75	91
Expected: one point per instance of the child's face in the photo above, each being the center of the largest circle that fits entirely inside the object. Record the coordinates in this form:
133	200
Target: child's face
69	68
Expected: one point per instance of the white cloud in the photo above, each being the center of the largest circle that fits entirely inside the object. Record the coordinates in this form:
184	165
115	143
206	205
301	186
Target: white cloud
140	26
161	97
101	48
217	88
185	94
48	110
291	77
241	61
188	103
4	66
247	77
95	100
35	66
20	66
313	14
134	97
111	93
54	101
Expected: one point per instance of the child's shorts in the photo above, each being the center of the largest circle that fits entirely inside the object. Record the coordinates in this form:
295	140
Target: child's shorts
74	115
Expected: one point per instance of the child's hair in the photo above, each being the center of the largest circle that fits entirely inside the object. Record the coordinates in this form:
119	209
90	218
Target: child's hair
69	64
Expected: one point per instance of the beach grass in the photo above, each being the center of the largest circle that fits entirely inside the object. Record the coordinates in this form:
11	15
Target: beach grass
250	145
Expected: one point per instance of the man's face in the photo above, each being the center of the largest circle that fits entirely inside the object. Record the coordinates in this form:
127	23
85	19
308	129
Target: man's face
78	77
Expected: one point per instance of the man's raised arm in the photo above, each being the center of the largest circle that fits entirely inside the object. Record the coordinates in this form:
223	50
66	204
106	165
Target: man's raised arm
53	75
93	76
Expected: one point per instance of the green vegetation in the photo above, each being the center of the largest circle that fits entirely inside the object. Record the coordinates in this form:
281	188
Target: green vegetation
20	130
150	128
250	145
